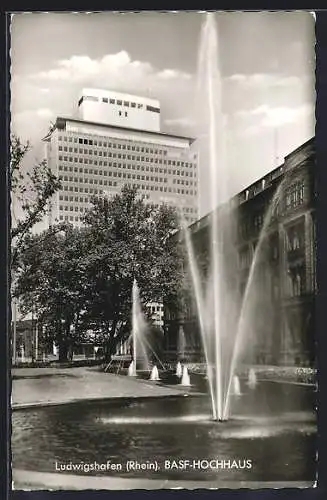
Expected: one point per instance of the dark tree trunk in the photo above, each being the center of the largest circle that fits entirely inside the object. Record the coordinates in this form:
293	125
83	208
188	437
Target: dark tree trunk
110	344
64	344
63	351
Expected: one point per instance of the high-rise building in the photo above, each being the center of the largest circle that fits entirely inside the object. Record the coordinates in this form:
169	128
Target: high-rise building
102	150
124	110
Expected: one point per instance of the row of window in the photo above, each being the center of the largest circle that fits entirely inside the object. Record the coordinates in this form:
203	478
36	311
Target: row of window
75	208
76	189
115	145
129	166
89	161
109	154
294	198
80	218
106	144
105	182
92	180
294	241
71	218
118	102
157	308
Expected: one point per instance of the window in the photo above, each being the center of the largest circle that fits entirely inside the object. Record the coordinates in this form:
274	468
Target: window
90	98
126	103
296	281
153	109
258	221
133	104
105	99
294	195
112	101
119	102
295	237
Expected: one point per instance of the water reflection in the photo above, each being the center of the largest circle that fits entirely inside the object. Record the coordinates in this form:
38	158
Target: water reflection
279	439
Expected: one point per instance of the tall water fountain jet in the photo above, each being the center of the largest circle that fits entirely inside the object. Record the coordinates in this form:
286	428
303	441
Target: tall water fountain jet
224	314
214	301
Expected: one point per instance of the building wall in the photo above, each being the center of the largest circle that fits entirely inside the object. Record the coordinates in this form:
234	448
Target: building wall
91	159
115	108
282	207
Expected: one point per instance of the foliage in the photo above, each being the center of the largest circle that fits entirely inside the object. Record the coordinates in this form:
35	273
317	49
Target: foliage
81	279
131	241
33	190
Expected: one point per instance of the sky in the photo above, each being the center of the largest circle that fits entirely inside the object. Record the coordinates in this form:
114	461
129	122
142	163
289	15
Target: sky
266	62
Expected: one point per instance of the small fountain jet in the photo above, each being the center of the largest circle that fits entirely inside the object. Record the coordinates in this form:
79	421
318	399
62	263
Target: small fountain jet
186	382
132	369
179	370
236	386
252	378
154	373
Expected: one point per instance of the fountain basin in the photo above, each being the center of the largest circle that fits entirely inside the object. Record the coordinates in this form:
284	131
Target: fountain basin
273	430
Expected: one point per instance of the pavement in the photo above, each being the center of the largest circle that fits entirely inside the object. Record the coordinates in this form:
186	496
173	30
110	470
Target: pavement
54	386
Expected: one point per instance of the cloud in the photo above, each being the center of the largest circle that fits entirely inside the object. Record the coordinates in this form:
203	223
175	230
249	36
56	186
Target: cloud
237	77
31	124
182	122
169	74
276	117
119	70
58	87
279	116
44	113
264	80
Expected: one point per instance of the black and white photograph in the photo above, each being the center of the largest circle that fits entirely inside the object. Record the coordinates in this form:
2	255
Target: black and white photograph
163	250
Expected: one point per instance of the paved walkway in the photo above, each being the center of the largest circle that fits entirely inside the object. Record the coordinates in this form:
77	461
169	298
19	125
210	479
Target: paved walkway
53	386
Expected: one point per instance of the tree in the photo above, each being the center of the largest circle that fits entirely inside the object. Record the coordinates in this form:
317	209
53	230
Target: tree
82	279
32	189
51	279
131	241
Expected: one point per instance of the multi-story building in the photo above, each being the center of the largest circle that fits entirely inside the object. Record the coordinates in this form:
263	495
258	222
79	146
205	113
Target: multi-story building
98	157
123	110
279	212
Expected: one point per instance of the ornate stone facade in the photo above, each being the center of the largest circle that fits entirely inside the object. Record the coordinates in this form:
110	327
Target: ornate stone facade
278	211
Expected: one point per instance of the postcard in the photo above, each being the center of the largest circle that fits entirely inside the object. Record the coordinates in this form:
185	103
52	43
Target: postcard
163	250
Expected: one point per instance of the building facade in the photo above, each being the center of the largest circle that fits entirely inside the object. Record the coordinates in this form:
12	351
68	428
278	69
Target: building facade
277	212
122	110
94	158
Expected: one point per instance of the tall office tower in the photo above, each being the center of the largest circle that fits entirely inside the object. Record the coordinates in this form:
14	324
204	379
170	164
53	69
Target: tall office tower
99	157
124	110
